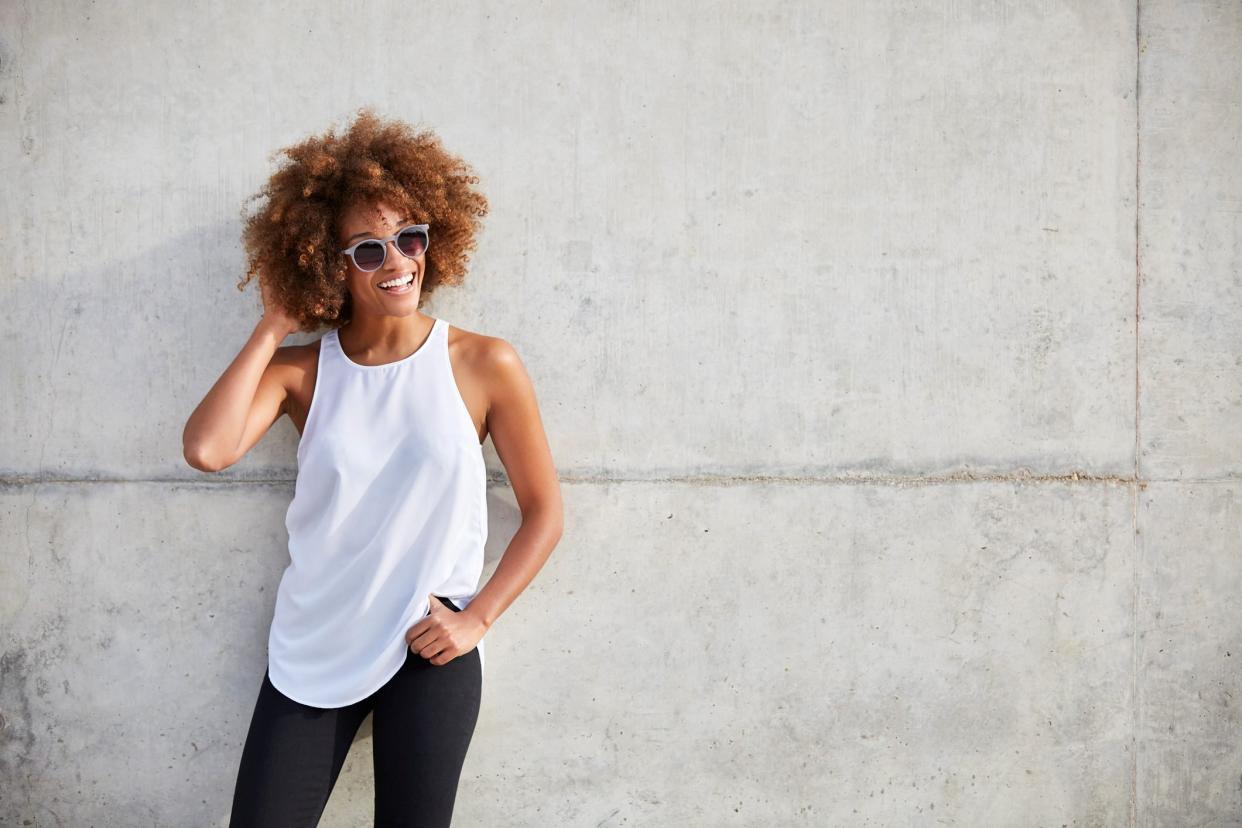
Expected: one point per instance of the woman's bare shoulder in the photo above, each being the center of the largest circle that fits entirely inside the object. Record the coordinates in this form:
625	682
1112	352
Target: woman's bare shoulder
490	362
295	367
480	349
296	359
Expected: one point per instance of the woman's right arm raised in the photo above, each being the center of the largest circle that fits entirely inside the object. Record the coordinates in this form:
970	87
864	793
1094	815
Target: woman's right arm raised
247	398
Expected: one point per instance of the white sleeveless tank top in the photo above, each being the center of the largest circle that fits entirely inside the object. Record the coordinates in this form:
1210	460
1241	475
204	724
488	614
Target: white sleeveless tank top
389	507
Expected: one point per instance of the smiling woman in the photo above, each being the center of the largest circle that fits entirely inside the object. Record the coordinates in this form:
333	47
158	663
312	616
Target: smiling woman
380	609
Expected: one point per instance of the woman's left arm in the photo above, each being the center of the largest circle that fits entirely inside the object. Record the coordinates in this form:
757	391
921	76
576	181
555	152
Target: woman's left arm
516	429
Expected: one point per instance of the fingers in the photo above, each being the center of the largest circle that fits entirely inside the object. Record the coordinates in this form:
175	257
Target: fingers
428	637
435	652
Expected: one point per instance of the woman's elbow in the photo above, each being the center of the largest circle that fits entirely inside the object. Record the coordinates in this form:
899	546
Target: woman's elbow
203	460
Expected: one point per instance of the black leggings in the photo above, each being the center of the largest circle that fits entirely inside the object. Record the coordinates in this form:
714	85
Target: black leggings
423	719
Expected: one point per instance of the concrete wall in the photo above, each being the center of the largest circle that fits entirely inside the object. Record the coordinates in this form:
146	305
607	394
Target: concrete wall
889	353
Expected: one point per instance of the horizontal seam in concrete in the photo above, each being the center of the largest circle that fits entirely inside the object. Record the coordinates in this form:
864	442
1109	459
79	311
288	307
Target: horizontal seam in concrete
18	481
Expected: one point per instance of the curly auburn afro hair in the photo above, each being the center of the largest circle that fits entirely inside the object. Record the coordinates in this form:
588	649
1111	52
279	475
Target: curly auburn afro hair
291	242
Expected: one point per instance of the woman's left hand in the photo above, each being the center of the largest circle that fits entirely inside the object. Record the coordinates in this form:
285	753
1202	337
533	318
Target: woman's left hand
443	634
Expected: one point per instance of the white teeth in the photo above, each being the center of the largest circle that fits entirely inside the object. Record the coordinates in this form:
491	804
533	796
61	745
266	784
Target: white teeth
404	280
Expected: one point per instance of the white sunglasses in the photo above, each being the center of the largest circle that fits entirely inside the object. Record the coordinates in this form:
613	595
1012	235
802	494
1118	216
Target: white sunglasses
370	254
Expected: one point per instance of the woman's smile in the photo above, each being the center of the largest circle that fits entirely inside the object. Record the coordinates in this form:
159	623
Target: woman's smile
398	285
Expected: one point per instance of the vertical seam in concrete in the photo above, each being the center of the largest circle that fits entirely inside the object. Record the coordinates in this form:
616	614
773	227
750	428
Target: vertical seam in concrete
1136	483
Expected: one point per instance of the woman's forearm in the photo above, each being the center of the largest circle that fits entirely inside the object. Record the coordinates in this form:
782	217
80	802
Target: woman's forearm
525	555
215	429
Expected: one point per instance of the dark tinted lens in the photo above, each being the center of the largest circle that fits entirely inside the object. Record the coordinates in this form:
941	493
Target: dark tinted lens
369	255
412	242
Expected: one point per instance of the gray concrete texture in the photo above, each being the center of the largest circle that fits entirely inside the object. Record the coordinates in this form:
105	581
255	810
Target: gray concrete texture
889	354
